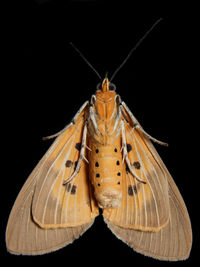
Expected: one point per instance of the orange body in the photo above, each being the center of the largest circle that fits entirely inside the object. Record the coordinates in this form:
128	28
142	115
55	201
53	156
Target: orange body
105	158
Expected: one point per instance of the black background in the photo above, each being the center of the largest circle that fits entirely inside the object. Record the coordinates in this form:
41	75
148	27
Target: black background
46	82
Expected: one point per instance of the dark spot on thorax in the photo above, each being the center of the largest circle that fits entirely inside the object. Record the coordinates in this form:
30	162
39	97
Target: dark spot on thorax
78	146
68	163
129	147
136	164
115	150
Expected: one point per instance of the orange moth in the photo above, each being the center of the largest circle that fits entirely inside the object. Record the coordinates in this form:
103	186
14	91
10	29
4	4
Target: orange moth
102	159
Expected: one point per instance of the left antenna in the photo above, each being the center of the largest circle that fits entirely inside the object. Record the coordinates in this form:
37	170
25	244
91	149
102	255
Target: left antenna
83	57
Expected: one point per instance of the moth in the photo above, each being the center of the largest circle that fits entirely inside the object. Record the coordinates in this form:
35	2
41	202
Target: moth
102	159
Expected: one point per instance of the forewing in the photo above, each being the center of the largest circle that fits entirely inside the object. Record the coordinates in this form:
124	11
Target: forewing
48	215
57	205
144	206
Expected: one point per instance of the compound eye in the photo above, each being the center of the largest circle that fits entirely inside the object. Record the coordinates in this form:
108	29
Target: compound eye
112	87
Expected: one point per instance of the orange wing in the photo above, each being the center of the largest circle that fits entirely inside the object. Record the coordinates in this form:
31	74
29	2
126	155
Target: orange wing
48	215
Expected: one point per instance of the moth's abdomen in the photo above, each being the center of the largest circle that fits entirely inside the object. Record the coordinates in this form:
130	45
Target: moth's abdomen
105	172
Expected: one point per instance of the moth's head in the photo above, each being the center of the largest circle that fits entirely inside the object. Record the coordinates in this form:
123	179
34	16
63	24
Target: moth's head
106	91
106	86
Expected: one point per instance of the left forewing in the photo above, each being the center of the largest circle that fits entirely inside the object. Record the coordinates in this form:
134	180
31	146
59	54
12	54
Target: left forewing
56	204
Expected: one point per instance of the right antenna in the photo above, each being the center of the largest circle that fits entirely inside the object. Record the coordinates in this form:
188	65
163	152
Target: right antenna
134	48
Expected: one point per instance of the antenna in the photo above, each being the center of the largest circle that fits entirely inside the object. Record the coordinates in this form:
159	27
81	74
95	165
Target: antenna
134	48
77	50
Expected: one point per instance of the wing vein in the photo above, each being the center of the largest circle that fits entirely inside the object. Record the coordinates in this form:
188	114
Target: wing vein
153	168
68	197
51	188
143	191
41	188
156	206
58	198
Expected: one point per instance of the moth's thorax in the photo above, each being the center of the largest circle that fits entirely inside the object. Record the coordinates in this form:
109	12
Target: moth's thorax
105	104
105	109
105	172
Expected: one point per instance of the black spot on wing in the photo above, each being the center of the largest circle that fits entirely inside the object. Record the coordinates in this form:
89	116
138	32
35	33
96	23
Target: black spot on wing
73	190
129	147
68	163
136	164
132	190
78	146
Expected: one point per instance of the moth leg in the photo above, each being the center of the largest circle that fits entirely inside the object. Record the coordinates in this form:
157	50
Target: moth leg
88	148
121	107
81	157
137	126
92	115
114	110
70	124
93	101
125	154
118	116
119	113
